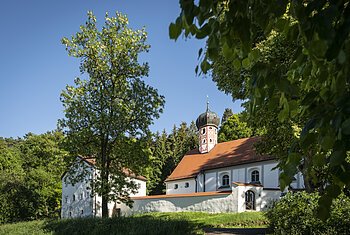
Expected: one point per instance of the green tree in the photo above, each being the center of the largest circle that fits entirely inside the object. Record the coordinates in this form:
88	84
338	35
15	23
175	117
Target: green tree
167	152
315	87
107	115
227	113
233	128
30	176
44	162
155	183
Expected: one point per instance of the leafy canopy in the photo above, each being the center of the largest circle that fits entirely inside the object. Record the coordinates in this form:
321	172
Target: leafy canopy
233	128
315	87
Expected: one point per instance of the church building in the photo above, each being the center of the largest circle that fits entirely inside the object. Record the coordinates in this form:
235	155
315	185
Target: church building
219	177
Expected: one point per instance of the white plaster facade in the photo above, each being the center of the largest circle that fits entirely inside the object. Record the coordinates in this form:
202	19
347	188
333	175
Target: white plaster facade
78	199
212	180
181	186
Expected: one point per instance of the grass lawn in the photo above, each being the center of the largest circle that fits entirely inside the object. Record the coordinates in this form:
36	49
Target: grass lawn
149	223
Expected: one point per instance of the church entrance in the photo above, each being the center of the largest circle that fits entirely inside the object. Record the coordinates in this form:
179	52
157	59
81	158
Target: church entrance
250	200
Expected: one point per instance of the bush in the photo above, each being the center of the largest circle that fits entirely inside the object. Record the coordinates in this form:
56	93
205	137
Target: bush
295	213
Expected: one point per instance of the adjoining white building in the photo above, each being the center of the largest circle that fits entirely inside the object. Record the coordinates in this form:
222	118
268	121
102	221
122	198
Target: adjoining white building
218	177
78	199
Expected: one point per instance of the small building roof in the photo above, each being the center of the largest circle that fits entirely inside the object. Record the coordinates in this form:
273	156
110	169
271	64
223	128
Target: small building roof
92	161
231	153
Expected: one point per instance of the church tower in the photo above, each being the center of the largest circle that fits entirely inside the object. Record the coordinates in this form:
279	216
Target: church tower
207	124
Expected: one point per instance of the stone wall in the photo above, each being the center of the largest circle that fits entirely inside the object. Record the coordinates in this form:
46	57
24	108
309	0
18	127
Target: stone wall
214	203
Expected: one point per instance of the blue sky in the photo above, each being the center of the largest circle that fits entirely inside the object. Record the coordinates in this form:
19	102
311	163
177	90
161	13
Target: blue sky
35	67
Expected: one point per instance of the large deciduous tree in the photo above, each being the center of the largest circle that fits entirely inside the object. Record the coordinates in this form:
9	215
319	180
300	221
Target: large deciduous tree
312	87
108	112
233	128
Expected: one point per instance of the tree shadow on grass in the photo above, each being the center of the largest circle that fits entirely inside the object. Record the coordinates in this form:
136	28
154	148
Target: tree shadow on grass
123	226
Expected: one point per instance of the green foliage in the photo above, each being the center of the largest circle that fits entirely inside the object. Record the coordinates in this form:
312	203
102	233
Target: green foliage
233	129
311	86
149	223
296	213
227	113
30	176
167	152
107	115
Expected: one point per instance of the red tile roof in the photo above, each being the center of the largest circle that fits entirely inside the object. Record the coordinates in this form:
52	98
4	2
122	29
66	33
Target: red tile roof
225	154
199	194
247	184
92	161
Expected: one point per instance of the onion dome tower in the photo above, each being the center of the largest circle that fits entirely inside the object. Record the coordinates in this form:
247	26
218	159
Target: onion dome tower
207	124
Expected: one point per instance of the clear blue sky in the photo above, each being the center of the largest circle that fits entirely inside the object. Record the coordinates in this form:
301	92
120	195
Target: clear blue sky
35	66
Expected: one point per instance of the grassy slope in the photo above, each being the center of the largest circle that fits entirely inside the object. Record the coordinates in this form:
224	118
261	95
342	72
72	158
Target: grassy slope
151	223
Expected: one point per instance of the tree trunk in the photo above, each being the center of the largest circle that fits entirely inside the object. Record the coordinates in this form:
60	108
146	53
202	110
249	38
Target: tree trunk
104	183
309	186
105	192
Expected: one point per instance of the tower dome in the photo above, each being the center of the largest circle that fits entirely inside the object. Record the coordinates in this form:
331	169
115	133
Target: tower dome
208	118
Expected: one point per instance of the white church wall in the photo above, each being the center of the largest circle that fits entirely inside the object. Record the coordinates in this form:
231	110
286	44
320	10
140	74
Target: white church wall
210	181
268	197
180	186
241	191
212	203
270	176
242	173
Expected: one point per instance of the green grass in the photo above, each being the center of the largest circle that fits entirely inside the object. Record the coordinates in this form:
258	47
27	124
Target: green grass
35	227
219	220
149	223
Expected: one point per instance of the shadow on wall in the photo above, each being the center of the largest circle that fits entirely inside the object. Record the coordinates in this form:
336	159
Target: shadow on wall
122	226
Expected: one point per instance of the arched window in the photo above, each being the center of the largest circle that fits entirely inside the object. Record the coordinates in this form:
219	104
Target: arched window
255	176
187	185
203	141
176	186
203	131
225	180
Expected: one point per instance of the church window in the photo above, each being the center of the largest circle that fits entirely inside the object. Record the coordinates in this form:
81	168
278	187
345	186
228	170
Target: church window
255	176
187	185
225	180
211	140
203	131
204	141
73	198
82	212
176	186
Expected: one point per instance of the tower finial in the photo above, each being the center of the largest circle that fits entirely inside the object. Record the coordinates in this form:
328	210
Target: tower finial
207	103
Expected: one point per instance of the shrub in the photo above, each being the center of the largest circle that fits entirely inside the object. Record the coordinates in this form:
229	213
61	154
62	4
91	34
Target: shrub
295	213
